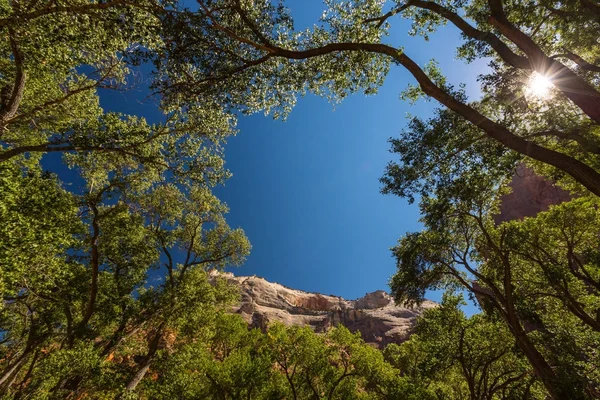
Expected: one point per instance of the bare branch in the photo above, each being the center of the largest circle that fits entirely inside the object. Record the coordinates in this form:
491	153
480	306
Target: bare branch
381	20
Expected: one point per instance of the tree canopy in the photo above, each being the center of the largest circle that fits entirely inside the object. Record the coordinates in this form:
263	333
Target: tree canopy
105	280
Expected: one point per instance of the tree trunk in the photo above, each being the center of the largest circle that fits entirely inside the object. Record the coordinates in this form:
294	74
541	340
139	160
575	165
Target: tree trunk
541	368
23	383
10	373
145	365
139	375
11	107
116	337
95	264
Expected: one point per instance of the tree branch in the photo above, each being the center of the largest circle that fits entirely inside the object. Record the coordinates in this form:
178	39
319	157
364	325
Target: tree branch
581	63
83	9
586	144
9	109
65	147
585	96
381	20
95	266
250	24
492	40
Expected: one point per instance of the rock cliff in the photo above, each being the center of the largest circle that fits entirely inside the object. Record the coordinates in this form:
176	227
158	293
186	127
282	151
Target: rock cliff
375	315
531	194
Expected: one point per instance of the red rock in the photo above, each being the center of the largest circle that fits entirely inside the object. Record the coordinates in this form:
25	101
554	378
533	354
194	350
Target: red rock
531	194
375	315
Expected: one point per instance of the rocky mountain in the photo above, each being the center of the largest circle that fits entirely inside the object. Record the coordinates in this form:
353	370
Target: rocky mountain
375	315
531	194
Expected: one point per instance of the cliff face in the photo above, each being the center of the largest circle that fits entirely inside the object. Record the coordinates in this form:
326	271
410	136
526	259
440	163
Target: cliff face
375	315
530	195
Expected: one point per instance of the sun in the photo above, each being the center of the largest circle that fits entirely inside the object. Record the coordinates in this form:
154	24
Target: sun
539	86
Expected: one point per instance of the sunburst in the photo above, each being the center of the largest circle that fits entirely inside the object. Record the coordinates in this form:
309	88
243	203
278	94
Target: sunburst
539	86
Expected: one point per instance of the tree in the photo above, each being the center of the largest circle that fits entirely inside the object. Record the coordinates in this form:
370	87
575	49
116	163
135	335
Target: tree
40	220
92	291
54	60
533	274
105	286
463	246
283	362
82	269
230	45
459	357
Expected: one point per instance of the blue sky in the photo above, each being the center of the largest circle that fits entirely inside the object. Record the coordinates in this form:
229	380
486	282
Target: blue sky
306	190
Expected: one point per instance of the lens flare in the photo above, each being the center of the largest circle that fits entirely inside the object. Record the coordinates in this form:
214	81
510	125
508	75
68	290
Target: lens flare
539	86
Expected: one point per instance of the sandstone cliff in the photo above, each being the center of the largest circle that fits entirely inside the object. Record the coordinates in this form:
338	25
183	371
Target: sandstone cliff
531	194
375	315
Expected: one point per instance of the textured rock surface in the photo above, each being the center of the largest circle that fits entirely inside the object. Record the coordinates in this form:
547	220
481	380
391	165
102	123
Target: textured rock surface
375	315
530	195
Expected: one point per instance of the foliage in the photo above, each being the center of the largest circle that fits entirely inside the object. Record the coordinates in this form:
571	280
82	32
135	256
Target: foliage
117	265
538	276
224	47
105	272
286	362
459	357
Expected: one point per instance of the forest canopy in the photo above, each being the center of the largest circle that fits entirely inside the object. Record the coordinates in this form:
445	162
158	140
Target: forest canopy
82	315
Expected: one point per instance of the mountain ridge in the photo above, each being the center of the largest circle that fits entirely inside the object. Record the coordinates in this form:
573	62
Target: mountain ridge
375	315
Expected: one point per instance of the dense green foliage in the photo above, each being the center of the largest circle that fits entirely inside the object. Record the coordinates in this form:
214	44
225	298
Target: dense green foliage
458	358
105	283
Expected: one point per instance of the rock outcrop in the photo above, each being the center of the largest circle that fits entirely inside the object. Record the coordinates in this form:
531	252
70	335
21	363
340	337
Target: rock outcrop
531	194
375	315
